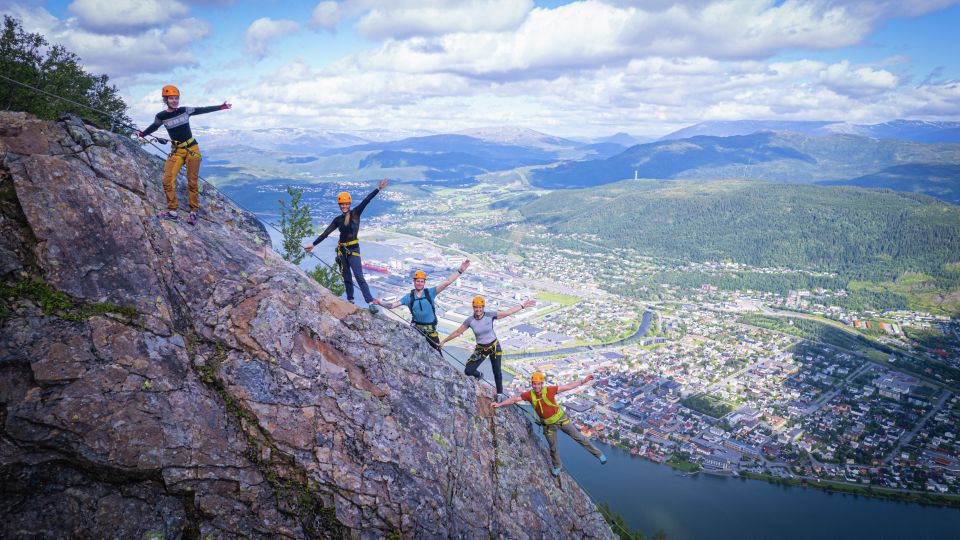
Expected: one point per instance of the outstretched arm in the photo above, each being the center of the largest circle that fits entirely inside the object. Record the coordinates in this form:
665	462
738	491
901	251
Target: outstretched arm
193	111
509	401
326	232
508	312
454	335
574	384
363	204
453	277
151	128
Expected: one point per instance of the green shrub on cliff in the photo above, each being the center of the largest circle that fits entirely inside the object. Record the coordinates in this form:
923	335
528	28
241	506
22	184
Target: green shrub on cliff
30	59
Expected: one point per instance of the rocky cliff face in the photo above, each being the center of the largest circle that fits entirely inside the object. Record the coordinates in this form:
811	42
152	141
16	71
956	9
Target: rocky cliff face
176	381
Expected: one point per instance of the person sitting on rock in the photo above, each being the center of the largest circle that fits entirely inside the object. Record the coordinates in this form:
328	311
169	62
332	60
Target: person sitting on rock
423	312
552	417
348	248
184	150
481	323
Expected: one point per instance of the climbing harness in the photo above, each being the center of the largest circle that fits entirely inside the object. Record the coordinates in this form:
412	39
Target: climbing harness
343	252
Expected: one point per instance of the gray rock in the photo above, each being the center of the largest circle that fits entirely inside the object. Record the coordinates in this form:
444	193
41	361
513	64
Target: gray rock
240	398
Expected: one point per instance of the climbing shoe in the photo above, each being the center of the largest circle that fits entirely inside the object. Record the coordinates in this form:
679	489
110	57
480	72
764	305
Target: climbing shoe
500	398
171	215
192	218
555	471
373	308
603	459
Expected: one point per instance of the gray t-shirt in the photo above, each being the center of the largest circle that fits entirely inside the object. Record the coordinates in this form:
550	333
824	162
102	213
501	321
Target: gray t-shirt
483	327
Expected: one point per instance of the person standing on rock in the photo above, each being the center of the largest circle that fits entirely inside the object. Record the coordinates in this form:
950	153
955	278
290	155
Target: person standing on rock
552	417
348	248
184	150
423	312
481	323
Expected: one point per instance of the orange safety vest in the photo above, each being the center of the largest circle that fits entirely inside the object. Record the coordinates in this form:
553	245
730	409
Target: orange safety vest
543	396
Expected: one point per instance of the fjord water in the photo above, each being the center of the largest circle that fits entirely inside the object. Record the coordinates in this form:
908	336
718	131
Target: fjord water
652	497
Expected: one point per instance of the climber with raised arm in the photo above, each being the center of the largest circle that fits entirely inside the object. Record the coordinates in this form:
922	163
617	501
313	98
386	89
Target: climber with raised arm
348	247
481	322
552	417
423	312
184	150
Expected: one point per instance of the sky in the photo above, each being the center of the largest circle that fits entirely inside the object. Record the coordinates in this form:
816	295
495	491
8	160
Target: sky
582	69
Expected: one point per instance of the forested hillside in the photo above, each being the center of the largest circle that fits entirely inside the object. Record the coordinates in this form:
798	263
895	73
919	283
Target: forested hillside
863	234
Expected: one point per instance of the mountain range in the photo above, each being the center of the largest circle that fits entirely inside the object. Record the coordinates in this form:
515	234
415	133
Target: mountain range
904	130
784	157
901	155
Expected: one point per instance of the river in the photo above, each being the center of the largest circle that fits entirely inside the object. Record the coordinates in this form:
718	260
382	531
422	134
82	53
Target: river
651	497
644	326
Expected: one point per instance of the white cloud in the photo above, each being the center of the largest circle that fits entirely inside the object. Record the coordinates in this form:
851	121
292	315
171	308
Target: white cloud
326	16
859	81
649	95
592	33
264	30
153	51
400	19
582	34
119	55
125	16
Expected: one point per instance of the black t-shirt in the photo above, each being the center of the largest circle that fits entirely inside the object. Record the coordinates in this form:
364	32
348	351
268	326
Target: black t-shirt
177	121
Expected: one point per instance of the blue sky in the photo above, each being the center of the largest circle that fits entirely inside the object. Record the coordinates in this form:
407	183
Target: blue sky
580	69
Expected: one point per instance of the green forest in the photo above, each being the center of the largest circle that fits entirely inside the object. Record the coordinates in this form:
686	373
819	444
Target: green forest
30	59
861	233
872	236
814	331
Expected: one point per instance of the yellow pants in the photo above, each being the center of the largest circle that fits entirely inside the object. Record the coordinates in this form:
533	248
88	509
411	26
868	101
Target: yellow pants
175	161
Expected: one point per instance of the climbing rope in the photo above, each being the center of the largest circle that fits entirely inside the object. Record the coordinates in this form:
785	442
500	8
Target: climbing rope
454	358
152	140
112	116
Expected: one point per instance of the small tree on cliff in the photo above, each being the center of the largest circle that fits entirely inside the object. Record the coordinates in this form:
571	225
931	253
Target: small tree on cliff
29	59
295	224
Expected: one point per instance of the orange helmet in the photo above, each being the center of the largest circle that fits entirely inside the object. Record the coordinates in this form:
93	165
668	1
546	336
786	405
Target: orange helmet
343	197
537	377
170	90
419	274
478	301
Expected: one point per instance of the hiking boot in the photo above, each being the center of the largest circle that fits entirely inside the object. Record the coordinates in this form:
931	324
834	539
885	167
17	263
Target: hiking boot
603	459
171	215
373	308
192	218
555	471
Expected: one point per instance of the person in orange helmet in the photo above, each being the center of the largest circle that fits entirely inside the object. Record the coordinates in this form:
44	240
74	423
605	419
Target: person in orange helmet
481	322
348	247
185	150
419	300
552	417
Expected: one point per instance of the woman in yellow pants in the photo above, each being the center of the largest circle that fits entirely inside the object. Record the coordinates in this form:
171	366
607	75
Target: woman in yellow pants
185	150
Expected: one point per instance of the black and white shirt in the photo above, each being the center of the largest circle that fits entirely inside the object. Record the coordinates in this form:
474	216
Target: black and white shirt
177	121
